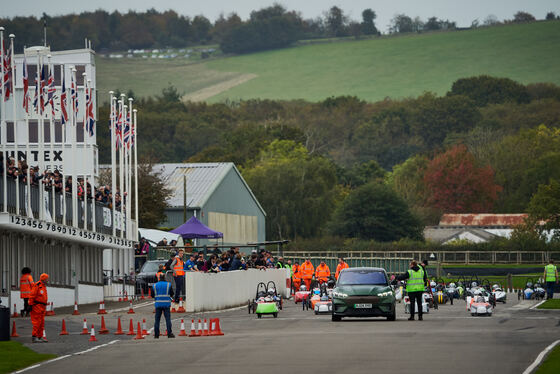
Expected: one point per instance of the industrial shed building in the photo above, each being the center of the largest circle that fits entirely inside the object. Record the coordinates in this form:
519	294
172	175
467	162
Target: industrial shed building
218	196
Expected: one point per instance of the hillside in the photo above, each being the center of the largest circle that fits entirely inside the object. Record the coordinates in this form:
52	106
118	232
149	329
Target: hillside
372	69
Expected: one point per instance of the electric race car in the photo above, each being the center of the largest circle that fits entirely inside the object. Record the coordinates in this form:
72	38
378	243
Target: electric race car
267	300
478	306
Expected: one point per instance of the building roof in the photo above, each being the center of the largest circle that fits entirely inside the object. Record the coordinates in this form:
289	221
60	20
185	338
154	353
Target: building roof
482	220
440	234
202	181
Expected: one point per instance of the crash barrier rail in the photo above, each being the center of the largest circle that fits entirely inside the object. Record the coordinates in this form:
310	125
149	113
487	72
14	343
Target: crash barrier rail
215	291
391	265
117	287
53	207
448	257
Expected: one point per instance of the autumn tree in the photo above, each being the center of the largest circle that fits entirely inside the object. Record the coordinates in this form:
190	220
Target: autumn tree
456	184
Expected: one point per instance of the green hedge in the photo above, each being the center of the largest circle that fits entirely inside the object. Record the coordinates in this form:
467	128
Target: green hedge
330	243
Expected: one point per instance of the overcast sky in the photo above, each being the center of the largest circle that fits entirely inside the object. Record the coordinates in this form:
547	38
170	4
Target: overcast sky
461	11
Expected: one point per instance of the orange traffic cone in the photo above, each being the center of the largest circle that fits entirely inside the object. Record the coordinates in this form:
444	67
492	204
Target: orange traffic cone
84	329
199	330
181	309
205	331
101	310
125	296
131	328
15	315
150	292
130	310
182	332
193	328
215	329
120	298
75	312
142	297
92	335
63	331
144	330
173	310
103	329
44	335
119	328
139	334
14	331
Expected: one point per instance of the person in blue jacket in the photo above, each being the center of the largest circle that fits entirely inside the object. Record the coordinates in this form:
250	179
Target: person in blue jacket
163	293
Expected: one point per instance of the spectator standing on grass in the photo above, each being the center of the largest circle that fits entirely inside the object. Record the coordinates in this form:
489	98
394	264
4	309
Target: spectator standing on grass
550	276
163	293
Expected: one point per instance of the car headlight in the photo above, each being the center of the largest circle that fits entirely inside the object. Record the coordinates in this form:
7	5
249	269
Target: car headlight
385	294
339	294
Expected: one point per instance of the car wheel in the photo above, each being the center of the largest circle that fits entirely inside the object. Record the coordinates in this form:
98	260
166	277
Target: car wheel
316	312
336	318
275	315
473	314
259	315
249	306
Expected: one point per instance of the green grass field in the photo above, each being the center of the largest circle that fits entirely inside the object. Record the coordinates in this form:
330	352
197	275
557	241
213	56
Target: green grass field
14	356
551	364
371	69
550	304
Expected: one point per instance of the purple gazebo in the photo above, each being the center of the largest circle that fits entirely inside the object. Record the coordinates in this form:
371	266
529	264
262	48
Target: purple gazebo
194	229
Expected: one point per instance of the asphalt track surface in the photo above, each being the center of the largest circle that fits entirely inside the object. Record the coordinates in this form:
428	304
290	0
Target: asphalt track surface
449	340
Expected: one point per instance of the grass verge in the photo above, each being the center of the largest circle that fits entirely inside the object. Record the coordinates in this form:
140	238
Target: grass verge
14	356
552	362
550	304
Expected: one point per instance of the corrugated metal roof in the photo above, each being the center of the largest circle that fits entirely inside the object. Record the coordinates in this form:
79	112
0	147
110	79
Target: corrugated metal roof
202	179
485	219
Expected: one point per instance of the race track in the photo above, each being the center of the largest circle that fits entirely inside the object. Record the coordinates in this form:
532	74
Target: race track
449	340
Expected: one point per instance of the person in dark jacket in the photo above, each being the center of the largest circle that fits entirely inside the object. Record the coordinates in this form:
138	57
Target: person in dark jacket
415	285
236	263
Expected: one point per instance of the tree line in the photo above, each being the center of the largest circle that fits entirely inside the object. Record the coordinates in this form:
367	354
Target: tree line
267	28
379	170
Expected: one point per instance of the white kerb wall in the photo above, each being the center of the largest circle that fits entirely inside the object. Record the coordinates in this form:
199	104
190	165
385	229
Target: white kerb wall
208	291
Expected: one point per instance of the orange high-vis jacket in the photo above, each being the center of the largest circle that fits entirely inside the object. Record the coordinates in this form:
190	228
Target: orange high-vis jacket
297	272
39	295
339	267
323	272
25	286
307	270
178	268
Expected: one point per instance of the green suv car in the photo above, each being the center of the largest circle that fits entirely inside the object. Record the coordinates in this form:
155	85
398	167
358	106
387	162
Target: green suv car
363	292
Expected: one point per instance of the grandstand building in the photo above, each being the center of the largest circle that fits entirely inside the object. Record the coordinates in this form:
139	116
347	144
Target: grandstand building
52	232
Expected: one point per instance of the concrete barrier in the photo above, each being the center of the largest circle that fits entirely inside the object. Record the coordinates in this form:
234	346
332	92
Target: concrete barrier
207	291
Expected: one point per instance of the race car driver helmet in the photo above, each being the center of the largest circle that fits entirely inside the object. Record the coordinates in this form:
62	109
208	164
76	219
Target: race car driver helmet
452	285
474	284
331	283
271	292
325	298
529	284
495	287
302	287
477	293
432	284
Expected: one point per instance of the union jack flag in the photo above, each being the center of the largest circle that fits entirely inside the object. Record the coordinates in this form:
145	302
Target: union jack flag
43	90
127	131
63	111
90	120
118	131
51	90
26	97
8	86
74	95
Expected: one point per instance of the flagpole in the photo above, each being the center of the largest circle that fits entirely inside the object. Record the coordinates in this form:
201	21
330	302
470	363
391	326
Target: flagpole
84	153
113	151
41	142
52	204
129	150
91	131
16	149
29	209
125	173
4	124
135	173
74	161
63	143
121	176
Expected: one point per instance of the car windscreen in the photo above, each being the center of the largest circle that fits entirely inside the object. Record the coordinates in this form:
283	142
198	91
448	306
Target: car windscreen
150	267
364	277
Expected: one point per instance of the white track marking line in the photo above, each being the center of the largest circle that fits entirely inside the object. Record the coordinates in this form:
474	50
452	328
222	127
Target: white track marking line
540	357
66	356
536	305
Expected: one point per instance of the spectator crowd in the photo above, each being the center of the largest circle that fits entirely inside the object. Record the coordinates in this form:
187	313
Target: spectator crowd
54	180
